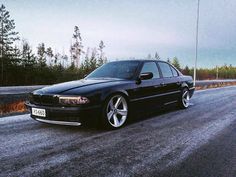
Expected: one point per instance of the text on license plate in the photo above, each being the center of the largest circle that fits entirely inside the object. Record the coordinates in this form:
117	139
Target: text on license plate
39	112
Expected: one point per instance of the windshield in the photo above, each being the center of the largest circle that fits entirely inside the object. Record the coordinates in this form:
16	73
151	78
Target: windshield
119	69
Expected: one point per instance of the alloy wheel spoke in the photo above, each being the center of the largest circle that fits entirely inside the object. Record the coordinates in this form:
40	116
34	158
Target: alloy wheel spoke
109	115
116	121
185	93
185	98
122	112
111	105
187	102
118	102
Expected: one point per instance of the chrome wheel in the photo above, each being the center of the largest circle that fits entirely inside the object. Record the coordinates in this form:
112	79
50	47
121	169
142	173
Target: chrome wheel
185	98
117	111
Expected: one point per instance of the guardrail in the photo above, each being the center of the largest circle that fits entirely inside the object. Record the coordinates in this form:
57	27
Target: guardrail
19	89
27	89
210	82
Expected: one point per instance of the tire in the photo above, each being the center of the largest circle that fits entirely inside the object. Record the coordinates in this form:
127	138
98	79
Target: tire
184	100
115	112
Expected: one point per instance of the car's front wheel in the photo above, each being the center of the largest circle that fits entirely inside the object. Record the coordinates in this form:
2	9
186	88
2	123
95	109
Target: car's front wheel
115	112
185	99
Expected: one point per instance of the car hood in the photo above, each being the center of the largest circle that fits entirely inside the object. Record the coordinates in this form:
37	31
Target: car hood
83	83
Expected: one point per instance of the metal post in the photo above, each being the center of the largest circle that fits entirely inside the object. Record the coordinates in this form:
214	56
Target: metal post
1	63
196	49
2	78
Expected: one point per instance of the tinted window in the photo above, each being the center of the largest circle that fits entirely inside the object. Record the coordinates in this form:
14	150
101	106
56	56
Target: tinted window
119	69
151	67
165	69
175	73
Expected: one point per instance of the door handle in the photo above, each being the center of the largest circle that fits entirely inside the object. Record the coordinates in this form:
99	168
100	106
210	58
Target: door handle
178	83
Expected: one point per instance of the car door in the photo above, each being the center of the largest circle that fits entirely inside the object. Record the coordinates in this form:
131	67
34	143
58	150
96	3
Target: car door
148	91
171	83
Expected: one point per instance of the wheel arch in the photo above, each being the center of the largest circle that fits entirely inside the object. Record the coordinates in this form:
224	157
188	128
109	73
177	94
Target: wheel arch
105	99
108	94
184	85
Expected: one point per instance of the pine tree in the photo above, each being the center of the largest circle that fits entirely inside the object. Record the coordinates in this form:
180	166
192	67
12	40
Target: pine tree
186	70
49	54
93	60
149	56
76	48
41	55
8	36
86	63
176	63
28	58
56	58
28	61
64	60
157	57
16	56
102	59
7	33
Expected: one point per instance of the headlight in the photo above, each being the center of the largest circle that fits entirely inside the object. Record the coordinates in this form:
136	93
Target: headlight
66	100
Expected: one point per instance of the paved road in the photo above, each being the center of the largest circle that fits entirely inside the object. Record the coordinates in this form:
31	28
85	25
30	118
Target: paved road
199	141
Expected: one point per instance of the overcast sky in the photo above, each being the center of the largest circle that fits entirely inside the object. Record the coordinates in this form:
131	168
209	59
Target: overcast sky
133	28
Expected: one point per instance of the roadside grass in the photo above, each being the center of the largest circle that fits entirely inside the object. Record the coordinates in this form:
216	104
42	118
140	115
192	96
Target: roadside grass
11	108
215	85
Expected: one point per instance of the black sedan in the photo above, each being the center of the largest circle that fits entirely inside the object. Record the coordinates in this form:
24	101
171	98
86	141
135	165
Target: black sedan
111	93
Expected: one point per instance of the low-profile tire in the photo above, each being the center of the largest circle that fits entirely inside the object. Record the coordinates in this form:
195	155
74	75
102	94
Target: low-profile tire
115	112
184	99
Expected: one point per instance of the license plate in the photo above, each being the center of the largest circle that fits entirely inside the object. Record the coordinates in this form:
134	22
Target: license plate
39	112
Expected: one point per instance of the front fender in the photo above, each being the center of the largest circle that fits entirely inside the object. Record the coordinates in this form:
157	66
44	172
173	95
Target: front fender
108	93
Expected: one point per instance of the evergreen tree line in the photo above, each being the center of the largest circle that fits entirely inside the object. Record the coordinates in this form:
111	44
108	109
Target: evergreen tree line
222	72
19	65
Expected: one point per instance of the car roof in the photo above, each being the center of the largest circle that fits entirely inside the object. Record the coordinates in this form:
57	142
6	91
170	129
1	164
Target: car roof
140	60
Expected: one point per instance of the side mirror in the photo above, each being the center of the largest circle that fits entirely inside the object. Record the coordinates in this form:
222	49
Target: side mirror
146	76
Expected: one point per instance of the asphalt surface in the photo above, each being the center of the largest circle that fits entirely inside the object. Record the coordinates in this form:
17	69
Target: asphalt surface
199	141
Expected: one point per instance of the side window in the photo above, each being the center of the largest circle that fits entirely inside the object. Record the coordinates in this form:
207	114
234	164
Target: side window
175	73
151	67
165	69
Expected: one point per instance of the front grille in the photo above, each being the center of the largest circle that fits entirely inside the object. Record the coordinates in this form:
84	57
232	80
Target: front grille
44	100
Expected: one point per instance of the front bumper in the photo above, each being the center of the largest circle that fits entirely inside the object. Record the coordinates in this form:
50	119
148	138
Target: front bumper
73	116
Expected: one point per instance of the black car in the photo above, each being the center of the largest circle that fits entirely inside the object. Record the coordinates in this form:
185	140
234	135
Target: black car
110	93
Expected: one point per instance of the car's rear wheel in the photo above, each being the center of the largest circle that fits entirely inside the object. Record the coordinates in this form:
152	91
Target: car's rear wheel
115	112
185	99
